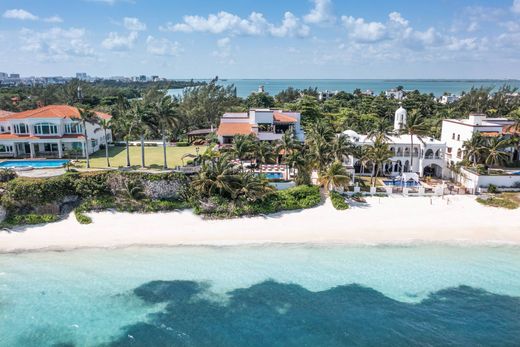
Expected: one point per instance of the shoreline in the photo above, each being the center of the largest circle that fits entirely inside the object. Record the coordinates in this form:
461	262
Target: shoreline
389	221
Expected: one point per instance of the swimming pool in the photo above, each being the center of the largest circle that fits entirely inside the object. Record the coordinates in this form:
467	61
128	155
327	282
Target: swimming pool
273	175
37	164
402	184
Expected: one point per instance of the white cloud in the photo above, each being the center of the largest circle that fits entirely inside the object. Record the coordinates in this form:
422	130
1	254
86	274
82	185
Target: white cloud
134	24
397	18
19	14
162	46
53	19
56	44
321	13
223	51
117	42
225	22
361	31
516	6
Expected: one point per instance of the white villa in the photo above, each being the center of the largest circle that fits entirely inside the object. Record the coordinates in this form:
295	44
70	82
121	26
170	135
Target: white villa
456	131
427	153
265	124
48	132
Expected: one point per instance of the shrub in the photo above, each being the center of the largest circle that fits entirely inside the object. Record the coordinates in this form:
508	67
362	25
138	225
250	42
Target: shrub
498	202
338	201
91	184
7	175
299	197
28	219
492	189
182	144
82	218
29	192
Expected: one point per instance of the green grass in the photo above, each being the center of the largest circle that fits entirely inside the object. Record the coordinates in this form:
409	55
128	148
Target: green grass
503	202
153	156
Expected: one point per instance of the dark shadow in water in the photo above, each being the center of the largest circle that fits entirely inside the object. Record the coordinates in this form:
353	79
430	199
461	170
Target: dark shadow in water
276	314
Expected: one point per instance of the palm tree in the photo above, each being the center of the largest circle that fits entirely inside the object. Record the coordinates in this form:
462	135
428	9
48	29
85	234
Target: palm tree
123	123
341	147
335	175
381	129
105	125
142	122
494	151
241	147
217	177
165	117
286	145
319	139
264	153
474	148
86	116
378	154
414	126
299	160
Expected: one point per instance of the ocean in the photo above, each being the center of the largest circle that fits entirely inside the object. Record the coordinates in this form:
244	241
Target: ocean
437	87
262	295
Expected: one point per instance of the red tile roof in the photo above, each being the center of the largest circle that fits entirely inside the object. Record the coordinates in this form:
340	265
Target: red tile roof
5	113
232	129
52	111
282	118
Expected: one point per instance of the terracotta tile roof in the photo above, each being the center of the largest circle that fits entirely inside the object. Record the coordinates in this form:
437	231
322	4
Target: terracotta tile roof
53	111
34	137
4	114
490	133
282	118
231	129
510	129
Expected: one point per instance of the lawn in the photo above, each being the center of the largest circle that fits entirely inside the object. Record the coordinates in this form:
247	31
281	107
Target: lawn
153	156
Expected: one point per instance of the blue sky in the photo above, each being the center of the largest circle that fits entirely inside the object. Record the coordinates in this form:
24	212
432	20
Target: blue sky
262	39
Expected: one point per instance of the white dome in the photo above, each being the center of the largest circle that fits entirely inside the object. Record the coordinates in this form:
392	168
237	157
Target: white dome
400	118
352	134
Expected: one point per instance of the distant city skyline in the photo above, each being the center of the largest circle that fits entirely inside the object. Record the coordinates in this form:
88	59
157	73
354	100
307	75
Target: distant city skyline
293	39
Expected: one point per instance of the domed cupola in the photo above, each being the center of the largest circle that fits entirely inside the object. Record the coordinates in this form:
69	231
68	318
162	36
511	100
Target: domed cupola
400	118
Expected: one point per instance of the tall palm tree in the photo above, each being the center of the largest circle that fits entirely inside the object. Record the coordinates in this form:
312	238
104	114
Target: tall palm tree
217	177
299	160
379	154
241	147
286	145
495	153
165	117
142	122
123	123
335	175
105	125
414	126
381	129
341	147
264	153
474	148
86	116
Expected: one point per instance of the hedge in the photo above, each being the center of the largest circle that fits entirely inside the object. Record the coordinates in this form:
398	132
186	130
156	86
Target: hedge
338	201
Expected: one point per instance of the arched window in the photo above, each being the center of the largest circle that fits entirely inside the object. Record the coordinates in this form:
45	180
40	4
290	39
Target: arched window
399	152
415	152
453	136
45	129
459	153
458	137
407	152
428	154
438	154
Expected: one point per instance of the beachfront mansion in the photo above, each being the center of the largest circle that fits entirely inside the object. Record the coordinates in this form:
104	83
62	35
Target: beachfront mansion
426	157
52	131
265	124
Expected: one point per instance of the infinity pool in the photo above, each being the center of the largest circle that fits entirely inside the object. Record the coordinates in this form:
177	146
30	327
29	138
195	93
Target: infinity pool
402	184
37	164
273	175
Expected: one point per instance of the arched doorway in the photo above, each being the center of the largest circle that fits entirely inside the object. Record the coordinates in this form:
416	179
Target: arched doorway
432	170
357	167
407	166
398	167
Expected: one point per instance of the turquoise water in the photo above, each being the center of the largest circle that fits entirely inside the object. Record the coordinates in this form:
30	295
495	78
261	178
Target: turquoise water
292	295
437	87
33	163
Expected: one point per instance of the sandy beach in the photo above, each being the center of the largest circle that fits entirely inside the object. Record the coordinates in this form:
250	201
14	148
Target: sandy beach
392	220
